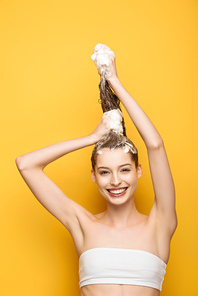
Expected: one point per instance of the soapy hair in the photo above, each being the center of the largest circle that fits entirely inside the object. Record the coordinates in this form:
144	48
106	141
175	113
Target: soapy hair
113	140
109	101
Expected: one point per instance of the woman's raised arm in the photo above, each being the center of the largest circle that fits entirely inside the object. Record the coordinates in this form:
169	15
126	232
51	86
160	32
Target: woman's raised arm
31	167
160	171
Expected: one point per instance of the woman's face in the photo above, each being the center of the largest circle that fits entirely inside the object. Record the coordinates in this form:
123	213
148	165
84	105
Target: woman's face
116	175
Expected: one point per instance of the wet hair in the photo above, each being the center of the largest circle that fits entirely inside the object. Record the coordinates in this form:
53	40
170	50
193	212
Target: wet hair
108	100
113	140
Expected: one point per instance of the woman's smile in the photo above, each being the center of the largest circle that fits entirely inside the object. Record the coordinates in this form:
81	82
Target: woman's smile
117	192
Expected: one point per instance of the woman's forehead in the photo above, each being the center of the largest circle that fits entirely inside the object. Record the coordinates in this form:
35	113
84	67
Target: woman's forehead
115	156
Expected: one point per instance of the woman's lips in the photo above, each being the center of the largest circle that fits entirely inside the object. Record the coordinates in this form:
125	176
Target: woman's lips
116	192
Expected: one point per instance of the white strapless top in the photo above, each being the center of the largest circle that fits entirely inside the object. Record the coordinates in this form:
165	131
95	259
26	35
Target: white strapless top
121	266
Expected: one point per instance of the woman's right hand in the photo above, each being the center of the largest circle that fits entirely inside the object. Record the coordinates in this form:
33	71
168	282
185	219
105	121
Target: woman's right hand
111	72
102	129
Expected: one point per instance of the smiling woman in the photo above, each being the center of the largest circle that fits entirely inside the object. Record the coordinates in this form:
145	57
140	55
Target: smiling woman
116	175
121	251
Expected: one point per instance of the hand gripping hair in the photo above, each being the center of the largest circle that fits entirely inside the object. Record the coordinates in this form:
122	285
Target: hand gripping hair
116	138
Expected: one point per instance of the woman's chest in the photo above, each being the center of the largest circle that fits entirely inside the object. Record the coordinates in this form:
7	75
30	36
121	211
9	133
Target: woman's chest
141	237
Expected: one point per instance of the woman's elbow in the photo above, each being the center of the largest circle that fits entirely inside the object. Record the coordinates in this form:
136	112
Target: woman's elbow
156	145
20	163
23	162
27	162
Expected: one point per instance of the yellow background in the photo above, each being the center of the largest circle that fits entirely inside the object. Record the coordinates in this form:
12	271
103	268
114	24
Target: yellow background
49	93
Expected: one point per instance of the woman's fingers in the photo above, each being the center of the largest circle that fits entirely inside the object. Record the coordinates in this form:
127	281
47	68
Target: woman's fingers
103	127
105	122
109	70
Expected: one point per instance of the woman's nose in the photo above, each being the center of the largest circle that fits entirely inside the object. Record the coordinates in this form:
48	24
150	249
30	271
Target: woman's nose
115	180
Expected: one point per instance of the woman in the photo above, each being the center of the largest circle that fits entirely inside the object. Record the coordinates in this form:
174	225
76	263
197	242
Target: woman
122	252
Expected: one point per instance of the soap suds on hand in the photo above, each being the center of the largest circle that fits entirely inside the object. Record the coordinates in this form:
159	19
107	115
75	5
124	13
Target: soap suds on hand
101	56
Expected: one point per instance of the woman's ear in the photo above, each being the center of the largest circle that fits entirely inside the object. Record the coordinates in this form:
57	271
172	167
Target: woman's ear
139	171
93	176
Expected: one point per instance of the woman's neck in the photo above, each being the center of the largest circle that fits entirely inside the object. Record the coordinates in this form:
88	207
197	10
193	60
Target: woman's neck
121	216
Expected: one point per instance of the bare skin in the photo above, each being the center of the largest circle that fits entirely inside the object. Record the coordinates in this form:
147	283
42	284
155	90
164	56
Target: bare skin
121	225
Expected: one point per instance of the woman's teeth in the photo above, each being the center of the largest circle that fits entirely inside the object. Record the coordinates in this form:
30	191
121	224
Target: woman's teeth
117	191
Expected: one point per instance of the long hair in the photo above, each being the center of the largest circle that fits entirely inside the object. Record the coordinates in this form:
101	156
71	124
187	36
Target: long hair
109	101
113	140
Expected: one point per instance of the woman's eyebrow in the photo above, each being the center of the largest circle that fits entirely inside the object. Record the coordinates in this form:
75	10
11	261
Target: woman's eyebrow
102	167
125	164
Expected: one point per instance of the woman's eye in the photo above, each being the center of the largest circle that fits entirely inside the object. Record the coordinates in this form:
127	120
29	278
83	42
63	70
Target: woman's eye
104	172
125	170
